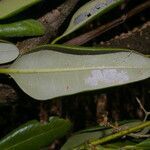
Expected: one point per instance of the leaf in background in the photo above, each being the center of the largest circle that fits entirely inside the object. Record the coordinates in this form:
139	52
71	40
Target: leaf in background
34	135
87	13
8	52
28	27
128	145
145	145
83	137
119	144
98	127
9	8
48	74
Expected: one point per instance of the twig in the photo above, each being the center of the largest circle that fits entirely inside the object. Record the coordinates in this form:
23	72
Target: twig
52	21
145	111
84	38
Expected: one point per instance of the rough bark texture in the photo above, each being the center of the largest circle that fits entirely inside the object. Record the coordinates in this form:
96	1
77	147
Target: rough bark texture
86	37
52	21
7	94
137	39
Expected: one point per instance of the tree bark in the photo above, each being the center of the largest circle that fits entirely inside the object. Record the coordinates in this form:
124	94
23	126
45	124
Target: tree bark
52	21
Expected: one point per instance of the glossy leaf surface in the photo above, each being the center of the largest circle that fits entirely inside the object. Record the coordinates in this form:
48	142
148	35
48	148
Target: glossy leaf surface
8	52
87	13
9	8
34	135
29	27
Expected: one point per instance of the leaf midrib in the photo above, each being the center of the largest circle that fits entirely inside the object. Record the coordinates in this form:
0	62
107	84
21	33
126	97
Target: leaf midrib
54	70
24	141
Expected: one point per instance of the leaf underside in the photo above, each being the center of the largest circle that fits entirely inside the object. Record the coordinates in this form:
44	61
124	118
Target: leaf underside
8	52
48	74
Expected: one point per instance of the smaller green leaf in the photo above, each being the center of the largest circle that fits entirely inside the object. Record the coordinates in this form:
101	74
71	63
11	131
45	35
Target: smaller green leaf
83	136
79	49
98	127
28	27
8	52
87	13
9	8
145	145
119	144
35	135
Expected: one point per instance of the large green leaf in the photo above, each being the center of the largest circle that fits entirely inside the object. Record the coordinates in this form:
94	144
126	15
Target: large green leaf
34	135
47	74
9	8
87	13
82	137
28	27
8	52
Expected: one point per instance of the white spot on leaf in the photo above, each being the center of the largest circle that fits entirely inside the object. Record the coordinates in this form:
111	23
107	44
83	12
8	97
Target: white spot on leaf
107	76
93	10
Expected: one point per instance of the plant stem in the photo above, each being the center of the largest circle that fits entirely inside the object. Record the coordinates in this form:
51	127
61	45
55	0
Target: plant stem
117	135
52	22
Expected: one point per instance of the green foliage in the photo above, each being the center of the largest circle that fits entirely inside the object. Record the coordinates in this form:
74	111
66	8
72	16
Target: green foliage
145	145
9	8
87	140
21	28
28	27
8	52
35	135
85	136
87	13
128	145
53	70
79	49
119	144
